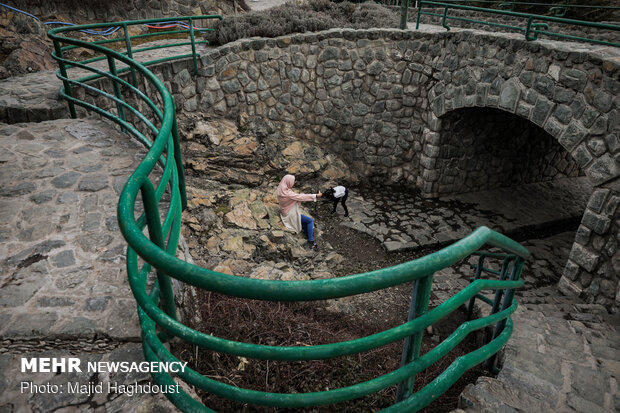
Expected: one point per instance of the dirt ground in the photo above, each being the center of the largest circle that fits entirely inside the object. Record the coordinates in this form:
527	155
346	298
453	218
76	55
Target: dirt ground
309	323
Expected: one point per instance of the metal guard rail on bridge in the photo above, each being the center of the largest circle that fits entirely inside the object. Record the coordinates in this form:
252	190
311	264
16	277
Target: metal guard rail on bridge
535	24
164	150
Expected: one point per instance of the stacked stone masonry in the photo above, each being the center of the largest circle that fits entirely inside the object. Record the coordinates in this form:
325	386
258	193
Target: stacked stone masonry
594	262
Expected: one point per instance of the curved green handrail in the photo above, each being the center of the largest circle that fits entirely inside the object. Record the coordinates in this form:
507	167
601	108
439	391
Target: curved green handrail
153	122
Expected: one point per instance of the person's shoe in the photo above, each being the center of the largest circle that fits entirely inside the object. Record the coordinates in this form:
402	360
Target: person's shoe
346	215
312	245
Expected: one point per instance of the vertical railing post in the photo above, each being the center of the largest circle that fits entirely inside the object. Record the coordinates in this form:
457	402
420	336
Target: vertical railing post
191	35
411	348
117	88
502	276
445	16
151	211
63	73
528	28
470	306
404	9
134	81
507	302
178	158
417	21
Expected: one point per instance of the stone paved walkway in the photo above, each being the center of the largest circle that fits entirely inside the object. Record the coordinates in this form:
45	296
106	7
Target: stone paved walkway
408	221
63	287
563	355
62	251
34	97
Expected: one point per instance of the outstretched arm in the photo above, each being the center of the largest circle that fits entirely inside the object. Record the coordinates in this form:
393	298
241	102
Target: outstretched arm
304	197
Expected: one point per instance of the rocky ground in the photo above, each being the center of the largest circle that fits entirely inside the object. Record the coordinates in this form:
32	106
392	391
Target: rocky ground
24	47
233	222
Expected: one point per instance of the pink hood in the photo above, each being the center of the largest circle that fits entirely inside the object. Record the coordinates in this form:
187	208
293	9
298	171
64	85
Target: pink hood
287	198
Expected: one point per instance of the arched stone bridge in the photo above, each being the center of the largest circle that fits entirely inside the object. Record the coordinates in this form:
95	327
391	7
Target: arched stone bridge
390	102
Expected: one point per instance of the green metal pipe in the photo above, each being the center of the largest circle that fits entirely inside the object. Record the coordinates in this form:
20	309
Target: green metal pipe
155	232
441	384
178	157
179	398
411	347
62	71
193	42
103	73
525	15
465	19
119	102
520	3
299	290
59	30
332	396
134	81
530	26
305	352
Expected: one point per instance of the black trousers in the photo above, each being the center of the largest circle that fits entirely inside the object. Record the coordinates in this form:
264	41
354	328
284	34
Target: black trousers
342	201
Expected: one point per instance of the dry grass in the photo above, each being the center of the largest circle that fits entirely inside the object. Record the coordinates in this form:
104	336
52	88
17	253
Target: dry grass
296	324
310	16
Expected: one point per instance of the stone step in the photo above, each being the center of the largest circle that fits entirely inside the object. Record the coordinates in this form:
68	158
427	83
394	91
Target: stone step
489	395
31	98
554	363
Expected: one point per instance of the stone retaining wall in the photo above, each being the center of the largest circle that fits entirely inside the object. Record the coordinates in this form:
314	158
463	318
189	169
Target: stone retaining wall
594	264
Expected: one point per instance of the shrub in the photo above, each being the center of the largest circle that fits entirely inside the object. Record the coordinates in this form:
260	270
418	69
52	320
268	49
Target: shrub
312	15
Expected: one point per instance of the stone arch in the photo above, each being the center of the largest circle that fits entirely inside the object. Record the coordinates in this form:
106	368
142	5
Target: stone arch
576	132
593	267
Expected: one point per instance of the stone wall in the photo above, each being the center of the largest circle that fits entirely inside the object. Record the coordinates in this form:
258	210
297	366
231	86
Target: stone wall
490	148
593	267
519	22
347	90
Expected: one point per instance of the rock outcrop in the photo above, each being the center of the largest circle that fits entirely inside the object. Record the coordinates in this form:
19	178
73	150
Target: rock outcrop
23	45
233	221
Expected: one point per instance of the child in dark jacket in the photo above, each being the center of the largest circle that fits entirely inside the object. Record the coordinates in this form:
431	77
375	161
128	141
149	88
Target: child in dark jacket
338	194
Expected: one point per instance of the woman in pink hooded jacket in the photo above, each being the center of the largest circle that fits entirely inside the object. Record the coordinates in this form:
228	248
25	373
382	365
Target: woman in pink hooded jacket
289	208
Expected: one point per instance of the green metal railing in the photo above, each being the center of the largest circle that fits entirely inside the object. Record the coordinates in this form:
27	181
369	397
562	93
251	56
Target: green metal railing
60	36
153	123
534	24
